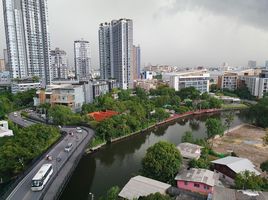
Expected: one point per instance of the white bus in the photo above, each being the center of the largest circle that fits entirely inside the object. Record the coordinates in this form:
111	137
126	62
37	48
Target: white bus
41	178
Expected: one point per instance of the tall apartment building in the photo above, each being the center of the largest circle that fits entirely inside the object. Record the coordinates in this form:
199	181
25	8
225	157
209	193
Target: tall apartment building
2	65
82	59
27	38
252	64
59	64
106	70
116	51
6	60
136	62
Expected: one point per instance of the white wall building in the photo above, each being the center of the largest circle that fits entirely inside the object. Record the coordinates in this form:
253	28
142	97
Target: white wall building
27	38
257	86
4	131
24	86
195	79
82	59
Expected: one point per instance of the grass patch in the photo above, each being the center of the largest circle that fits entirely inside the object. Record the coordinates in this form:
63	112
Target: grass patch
96	142
234	106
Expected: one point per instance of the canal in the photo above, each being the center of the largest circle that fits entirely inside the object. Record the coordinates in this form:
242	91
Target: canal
117	163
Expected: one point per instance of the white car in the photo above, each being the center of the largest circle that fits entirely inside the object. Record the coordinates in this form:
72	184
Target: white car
69	147
15	114
78	130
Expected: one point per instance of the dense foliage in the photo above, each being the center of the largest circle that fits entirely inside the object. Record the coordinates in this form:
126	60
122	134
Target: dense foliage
259	113
27	143
139	109
250	181
264	166
156	196
112	194
10	102
162	162
62	115
214	127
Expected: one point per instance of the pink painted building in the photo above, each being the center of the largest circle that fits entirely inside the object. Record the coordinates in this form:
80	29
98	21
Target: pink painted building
197	180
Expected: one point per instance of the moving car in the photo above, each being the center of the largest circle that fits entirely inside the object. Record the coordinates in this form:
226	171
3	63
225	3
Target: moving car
69	147
78	130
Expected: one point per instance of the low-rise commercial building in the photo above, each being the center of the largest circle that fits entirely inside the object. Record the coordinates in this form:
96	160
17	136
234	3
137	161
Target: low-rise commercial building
257	85
24	85
228	81
197	79
74	95
5	78
147	85
4	131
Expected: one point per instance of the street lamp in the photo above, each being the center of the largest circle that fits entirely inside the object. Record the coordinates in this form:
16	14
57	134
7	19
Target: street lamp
91	196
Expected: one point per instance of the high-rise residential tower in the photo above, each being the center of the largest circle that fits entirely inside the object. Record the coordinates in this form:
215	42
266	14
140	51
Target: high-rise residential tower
27	37
116	51
82	59
106	70
59	65
136	62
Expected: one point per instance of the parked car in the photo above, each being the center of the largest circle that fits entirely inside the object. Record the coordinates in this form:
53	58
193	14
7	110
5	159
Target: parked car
78	130
69	147
15	114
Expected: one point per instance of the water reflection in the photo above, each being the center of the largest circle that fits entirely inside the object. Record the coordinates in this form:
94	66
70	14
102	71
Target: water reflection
117	163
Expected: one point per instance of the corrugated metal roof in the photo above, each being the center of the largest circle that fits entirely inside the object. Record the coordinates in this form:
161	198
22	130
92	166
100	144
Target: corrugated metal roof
199	176
237	164
139	186
189	150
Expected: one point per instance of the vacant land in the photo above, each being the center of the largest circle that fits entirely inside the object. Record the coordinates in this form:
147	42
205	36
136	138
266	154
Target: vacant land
245	141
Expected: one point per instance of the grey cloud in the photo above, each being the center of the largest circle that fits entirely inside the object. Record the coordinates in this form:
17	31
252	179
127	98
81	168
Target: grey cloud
251	12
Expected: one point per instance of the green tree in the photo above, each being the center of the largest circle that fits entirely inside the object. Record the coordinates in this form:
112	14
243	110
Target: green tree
214	102
188	137
228	119
156	196
243	93
160	114
112	194
264	166
259	113
189	93
214	127
162	162
248	181
60	114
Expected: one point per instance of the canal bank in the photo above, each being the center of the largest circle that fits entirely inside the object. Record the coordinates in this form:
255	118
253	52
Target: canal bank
174	117
116	163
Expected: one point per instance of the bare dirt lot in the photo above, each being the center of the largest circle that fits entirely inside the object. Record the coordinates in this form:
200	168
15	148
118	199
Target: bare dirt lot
246	141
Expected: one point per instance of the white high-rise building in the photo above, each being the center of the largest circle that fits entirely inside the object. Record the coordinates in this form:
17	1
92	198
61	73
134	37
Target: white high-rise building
59	64
116	51
82	59
27	37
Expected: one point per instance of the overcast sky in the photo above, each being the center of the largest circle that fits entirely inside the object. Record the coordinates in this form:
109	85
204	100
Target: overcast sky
176	32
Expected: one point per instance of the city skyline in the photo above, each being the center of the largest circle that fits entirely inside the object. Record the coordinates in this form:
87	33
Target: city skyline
170	32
